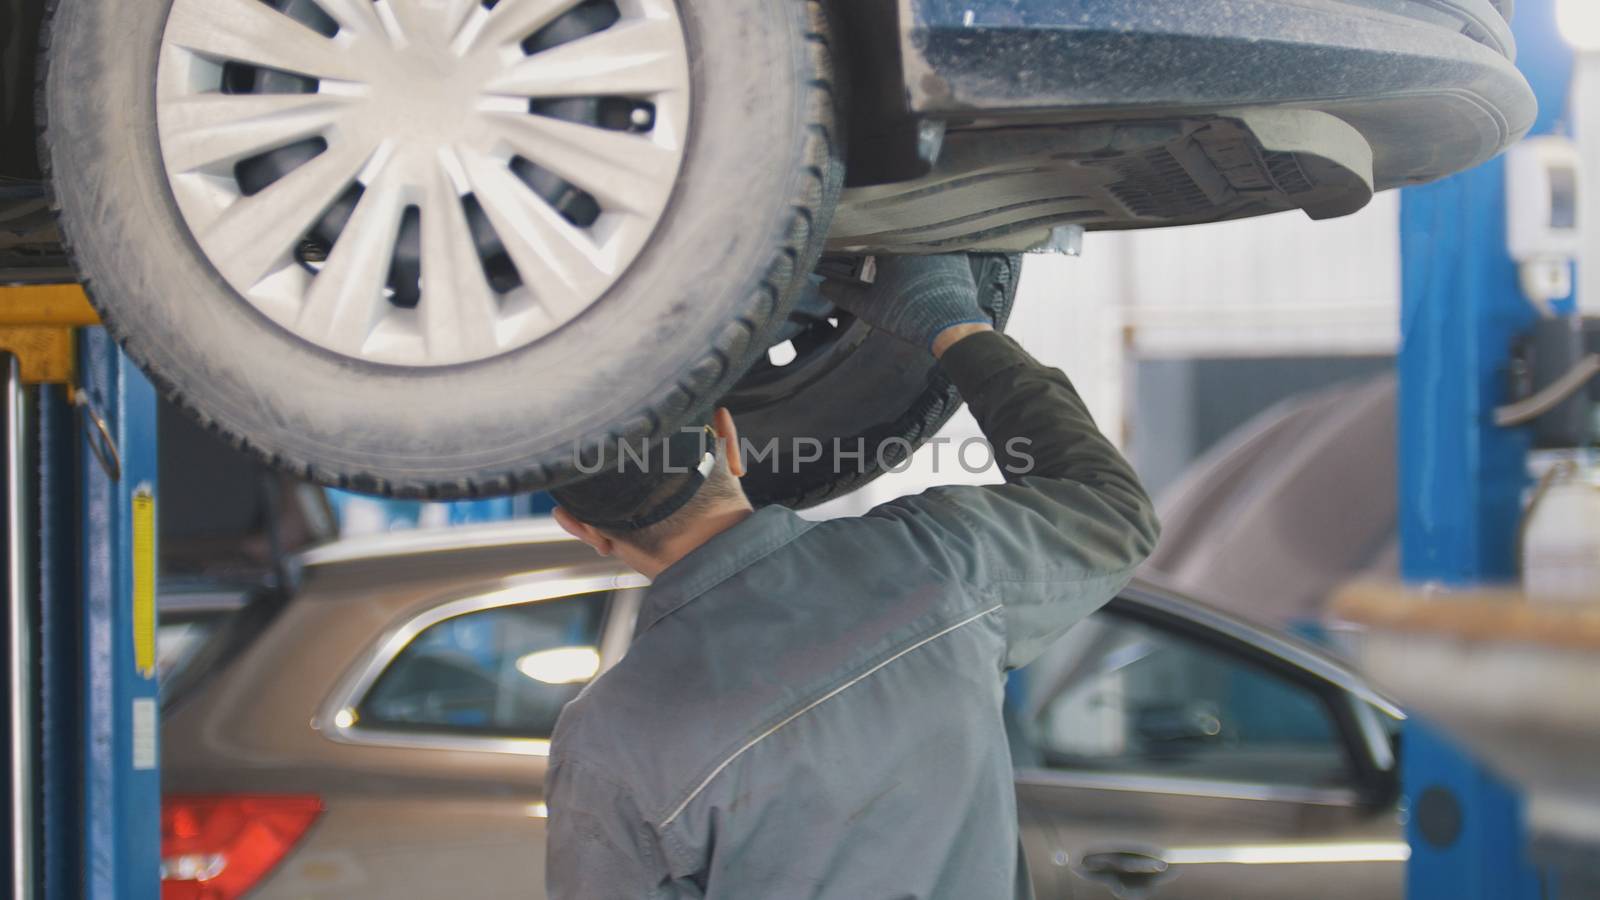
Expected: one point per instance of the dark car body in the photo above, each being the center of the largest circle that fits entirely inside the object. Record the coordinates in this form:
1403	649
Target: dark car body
1141	113
409	684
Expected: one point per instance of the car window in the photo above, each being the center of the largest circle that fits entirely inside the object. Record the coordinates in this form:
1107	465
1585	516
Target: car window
179	639
1135	699
503	672
194	647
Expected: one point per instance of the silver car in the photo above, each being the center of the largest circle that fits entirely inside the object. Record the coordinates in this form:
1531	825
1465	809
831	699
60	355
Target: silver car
382	732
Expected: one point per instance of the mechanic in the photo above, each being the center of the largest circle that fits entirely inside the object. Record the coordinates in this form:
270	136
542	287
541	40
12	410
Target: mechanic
815	709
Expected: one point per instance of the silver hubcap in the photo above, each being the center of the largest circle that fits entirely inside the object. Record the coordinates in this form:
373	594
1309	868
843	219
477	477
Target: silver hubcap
422	182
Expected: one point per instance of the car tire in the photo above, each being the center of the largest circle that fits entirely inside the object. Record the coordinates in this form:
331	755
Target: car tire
673	332
851	387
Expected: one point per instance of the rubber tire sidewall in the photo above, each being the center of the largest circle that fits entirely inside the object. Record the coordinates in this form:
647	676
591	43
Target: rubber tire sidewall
712	275
885	390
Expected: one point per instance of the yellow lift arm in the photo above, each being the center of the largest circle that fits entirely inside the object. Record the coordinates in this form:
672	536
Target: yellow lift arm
37	324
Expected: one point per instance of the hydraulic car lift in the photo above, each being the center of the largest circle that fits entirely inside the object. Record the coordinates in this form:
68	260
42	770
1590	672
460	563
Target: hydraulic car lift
78	441
82	788
1462	478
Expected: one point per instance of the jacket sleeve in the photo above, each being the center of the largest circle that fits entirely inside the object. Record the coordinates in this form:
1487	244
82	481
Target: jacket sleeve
1065	532
599	846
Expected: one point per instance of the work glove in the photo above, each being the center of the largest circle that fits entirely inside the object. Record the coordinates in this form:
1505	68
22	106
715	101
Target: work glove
913	298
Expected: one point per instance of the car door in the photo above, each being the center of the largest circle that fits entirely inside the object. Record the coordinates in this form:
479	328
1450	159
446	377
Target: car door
1159	761
441	732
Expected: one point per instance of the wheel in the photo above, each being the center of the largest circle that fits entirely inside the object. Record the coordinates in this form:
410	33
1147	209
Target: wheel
832	379
435	248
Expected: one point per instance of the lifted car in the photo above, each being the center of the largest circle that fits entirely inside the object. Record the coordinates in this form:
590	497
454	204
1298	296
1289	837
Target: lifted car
438	247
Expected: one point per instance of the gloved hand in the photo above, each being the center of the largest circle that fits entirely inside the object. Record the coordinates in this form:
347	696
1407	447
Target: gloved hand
914	298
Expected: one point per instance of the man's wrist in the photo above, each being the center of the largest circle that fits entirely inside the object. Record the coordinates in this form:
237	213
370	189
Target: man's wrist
955	334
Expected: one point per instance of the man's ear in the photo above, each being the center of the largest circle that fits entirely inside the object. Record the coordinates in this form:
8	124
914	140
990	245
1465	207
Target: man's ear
586	533
722	423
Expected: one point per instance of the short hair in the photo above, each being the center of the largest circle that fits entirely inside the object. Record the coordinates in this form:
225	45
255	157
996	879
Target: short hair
721	487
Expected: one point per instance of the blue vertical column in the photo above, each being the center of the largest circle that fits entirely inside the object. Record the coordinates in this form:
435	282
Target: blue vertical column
1461	484
61	667
1461	478
121	790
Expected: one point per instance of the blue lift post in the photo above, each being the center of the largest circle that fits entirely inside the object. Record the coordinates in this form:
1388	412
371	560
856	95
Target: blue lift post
121	793
87	576
1461	478
98	833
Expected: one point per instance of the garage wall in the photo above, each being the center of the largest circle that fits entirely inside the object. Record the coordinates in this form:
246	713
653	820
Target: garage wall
1276	286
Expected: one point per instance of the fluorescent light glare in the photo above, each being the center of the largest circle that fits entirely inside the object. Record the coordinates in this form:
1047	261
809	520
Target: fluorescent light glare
1580	23
563	665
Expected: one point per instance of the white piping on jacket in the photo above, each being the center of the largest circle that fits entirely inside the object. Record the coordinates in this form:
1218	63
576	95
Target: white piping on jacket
816	703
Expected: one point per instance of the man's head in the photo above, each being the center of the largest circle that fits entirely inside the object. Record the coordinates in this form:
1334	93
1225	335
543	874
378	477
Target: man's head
650	507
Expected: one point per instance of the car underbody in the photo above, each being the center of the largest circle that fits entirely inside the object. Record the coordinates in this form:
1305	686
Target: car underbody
1009	118
1121	114
430	200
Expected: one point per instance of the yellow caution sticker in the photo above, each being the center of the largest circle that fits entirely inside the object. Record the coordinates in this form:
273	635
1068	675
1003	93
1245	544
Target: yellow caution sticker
144	581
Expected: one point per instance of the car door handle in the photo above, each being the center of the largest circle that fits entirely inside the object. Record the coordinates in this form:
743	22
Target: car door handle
1131	874
1125	862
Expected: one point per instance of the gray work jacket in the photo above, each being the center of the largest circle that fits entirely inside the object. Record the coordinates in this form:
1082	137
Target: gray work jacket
813	710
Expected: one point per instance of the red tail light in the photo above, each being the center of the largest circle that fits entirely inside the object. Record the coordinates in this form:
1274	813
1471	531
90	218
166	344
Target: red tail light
219	847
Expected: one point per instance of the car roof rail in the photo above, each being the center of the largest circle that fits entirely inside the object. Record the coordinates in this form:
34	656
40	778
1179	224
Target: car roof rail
517	533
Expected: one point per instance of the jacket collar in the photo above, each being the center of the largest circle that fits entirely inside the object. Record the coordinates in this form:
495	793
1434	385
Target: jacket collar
719	559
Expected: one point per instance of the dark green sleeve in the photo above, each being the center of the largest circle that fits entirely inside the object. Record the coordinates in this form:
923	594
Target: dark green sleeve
1065	532
1023	403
